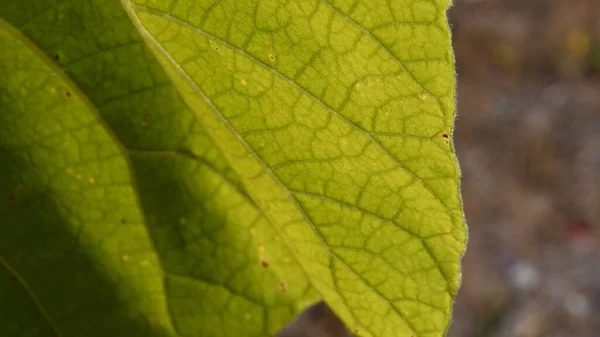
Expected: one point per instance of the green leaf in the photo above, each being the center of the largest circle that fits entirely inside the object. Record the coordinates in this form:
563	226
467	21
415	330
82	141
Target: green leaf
121	218
210	168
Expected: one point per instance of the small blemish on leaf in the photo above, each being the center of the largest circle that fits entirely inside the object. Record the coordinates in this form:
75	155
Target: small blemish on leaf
78	177
282	287
243	82
69	171
125	258
264	264
260	88
68	94
92	180
14	194
272	58
144	120
422	96
123	221
216	48
445	135
56	57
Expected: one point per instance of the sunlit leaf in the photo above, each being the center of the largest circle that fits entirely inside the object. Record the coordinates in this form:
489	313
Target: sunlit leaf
210	168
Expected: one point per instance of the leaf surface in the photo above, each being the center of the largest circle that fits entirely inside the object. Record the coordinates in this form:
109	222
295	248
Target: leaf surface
210	168
121	218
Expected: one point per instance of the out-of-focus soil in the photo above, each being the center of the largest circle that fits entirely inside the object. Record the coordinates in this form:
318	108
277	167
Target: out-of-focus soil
528	141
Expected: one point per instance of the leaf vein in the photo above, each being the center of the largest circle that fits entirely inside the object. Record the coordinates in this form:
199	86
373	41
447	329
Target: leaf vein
29	291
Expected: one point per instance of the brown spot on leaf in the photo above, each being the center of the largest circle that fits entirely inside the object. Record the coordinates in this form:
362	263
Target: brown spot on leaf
68	94
264	264
446	137
282	287
123	221
14	194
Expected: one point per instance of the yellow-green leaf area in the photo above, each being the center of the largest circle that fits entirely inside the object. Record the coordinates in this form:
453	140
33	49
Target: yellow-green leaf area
210	168
338	117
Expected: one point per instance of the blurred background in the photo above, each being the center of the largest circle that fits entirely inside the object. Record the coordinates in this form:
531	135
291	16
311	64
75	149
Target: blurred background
528	141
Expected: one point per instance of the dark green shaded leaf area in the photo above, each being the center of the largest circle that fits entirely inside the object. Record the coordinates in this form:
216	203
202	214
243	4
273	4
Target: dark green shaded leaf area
213	167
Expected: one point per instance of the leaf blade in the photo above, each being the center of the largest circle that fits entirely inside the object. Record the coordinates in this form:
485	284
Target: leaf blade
173	37
160	139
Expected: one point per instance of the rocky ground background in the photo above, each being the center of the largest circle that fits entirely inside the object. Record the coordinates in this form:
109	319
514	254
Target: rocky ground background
528	141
